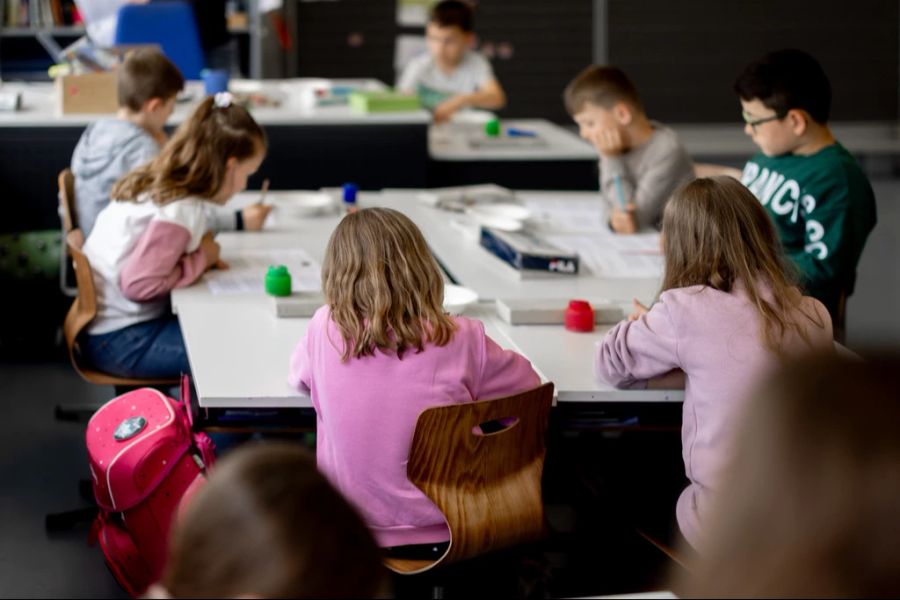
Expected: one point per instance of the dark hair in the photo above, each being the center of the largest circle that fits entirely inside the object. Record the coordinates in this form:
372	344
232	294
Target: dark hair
810	503
145	74
453	13
785	80
267	523
193	162
602	85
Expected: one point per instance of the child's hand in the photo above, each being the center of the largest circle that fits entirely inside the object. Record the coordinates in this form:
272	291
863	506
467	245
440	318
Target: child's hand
624	221
221	265
445	110
210	248
255	216
609	142
639	310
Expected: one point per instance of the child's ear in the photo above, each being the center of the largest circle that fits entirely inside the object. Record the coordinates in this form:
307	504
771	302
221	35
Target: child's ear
623	113
798	120
153	104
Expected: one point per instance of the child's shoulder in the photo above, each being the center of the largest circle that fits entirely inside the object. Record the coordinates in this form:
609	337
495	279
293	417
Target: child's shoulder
189	212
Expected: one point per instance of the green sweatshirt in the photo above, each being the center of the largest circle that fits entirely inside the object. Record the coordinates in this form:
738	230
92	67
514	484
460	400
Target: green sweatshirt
824	209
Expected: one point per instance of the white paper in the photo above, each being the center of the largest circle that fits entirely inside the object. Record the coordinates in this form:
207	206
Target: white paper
559	214
246	273
619	256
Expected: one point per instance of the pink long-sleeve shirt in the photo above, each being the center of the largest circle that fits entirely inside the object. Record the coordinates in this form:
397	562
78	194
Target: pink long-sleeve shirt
716	339
367	408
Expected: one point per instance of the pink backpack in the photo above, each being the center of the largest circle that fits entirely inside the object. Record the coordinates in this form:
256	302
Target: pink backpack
144	460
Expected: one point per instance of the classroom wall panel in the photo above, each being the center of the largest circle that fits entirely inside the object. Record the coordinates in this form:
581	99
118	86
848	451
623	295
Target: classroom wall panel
693	51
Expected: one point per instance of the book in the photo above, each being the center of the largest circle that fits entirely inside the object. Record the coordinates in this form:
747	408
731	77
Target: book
528	253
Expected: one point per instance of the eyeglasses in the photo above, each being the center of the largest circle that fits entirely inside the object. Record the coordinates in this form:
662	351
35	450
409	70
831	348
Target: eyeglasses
754	123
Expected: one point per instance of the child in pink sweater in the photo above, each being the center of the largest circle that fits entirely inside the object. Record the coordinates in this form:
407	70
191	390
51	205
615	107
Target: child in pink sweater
727	314
380	352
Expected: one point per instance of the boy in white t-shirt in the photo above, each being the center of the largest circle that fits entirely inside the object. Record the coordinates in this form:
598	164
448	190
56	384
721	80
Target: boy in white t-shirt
451	76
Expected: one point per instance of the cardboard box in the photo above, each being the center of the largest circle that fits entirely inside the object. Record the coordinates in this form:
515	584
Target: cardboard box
93	93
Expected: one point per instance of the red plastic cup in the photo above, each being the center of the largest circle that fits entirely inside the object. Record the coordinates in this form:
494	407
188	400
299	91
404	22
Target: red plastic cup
579	316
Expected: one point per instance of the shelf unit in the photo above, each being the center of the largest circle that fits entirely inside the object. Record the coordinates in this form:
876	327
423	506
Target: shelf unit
22	56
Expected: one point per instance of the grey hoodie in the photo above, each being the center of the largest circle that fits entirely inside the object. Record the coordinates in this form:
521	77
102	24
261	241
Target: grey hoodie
109	149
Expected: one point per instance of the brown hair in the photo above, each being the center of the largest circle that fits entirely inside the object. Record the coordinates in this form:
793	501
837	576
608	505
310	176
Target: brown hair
603	86
267	523
453	13
383	286
145	74
810	506
716	233
193	162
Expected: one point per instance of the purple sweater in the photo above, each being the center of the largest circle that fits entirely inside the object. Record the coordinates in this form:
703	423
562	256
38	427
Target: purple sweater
366	411
715	338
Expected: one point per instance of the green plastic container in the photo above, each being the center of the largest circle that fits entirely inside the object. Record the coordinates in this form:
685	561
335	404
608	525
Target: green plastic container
278	281
492	128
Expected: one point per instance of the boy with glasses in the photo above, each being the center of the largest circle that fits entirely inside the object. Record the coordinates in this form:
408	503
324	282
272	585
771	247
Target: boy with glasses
811	186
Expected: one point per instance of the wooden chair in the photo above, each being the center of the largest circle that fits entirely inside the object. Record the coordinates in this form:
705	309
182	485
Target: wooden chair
487	485
81	313
68	216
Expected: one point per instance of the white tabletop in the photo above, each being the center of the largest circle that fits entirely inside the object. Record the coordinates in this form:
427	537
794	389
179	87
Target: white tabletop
239	350
39	107
456	246
454	142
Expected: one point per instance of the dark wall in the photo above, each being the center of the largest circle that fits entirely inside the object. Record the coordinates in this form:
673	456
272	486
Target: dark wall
684	56
550	42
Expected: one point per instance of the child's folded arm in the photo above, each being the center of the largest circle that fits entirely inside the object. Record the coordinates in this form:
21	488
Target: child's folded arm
636	351
158	263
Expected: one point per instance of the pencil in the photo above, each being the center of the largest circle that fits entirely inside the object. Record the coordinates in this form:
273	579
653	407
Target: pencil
619	192
262	191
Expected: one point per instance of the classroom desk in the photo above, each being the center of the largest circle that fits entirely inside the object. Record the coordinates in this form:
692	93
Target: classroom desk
239	349
308	148
562	160
465	261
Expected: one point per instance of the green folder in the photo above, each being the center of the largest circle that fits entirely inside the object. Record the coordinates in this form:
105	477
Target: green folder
369	102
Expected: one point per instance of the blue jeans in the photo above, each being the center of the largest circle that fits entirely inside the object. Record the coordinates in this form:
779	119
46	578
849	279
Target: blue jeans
152	350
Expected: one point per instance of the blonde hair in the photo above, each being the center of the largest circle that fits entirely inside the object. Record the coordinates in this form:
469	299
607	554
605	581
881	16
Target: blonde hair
810	502
193	162
715	234
383	286
269	524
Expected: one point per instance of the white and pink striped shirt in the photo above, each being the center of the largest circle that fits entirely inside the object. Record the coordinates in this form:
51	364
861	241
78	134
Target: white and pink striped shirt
140	251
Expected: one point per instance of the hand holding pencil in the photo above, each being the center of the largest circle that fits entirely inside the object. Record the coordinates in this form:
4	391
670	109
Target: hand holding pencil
255	215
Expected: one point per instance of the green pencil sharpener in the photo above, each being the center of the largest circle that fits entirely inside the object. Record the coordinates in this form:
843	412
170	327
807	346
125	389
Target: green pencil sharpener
278	281
492	128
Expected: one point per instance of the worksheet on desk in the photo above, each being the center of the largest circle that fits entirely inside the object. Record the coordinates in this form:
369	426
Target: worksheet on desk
554	214
247	271
580	225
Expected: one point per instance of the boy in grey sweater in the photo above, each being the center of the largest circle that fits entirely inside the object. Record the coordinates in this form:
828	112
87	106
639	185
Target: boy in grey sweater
147	85
641	161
